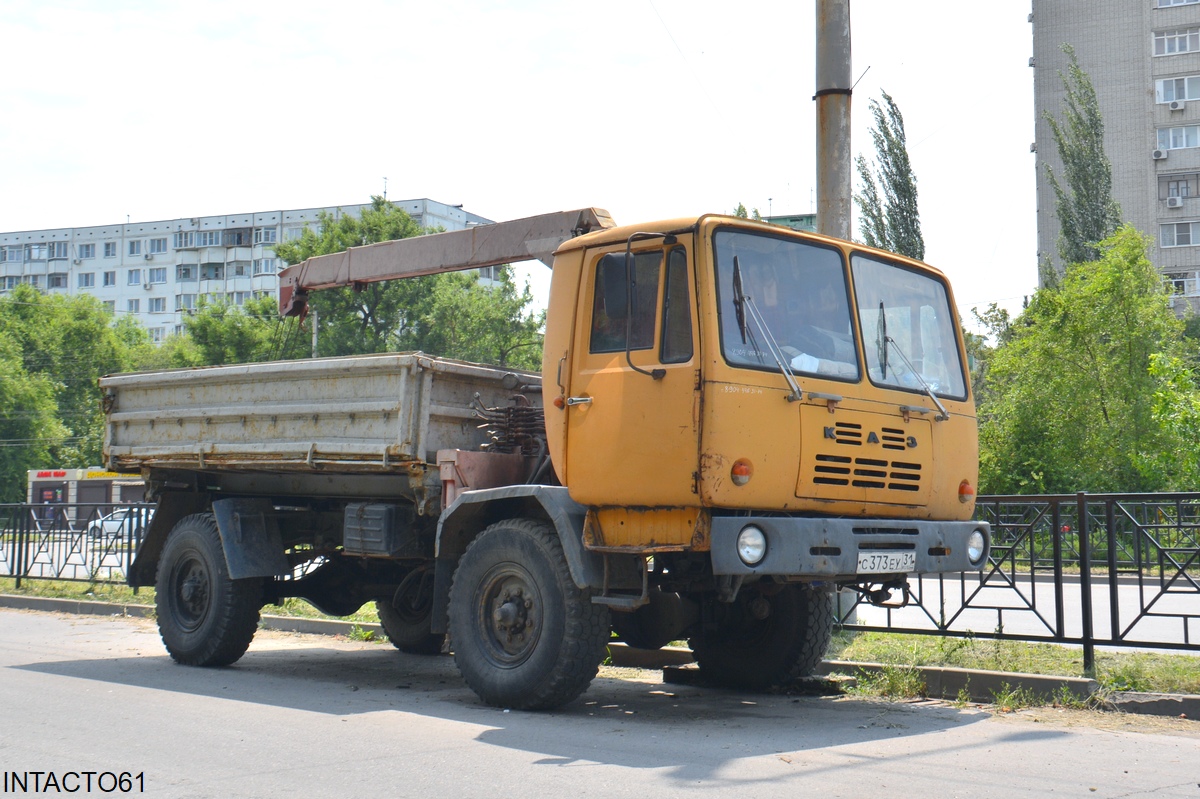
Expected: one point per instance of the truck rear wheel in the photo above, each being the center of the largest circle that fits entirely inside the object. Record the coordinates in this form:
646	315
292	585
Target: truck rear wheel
765	639
524	635
406	618
204	617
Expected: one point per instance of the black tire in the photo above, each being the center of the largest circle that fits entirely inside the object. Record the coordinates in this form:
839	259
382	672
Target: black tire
406	618
748	650
524	635
204	617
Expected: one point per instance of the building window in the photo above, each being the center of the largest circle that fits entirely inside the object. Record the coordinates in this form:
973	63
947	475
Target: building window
1179	234
240	297
185	302
1179	138
158	305
158	245
12	254
58	249
1180	184
110	249
87	251
293	233
110	306
265	235
1183	283
1169	3
208	238
134	278
185	272
1172	89
34	280
35	252
156	335
1183	40
56	280
157	274
212	271
264	266
87	280
135	247
9	283
237	238
133	306
238	269
185	239
110	278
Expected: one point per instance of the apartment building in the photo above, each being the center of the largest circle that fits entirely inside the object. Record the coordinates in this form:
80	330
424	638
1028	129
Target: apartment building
158	271
1143	57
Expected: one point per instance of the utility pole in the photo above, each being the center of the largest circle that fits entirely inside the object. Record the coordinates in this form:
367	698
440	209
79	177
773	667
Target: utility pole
834	78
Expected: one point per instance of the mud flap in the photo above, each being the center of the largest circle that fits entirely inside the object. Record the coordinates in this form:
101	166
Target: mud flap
250	538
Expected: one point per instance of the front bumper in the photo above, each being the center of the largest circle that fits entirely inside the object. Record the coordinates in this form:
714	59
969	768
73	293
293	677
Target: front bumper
829	548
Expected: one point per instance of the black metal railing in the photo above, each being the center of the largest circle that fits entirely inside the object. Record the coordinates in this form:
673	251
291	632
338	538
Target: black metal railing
1120	570
85	542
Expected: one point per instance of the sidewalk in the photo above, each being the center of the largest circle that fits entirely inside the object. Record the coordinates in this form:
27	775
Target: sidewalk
676	662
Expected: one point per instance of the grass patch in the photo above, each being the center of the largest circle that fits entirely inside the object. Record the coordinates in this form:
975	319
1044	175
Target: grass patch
1115	671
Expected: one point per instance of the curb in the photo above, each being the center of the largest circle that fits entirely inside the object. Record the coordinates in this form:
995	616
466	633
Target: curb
941	682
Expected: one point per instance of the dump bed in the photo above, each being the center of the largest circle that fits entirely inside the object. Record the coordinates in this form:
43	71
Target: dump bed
368	414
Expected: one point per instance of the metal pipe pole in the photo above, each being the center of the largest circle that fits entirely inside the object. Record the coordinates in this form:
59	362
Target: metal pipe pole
834	81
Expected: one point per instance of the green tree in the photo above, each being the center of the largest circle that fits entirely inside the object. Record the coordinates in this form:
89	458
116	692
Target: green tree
223	333
70	341
741	213
1085	206
450	315
29	425
1070	394
477	322
889	217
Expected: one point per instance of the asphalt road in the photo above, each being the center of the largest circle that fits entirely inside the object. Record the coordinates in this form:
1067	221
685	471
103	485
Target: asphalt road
309	716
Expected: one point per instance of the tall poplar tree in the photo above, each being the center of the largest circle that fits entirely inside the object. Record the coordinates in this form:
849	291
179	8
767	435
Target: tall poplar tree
887	204
1087	212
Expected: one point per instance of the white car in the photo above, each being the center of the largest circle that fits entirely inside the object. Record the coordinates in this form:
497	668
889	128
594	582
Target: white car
121	522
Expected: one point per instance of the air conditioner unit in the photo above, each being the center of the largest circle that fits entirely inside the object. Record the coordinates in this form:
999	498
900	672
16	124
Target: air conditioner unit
1158	155
149	257
1033	147
1174	202
1176	105
146	286
1032	62
77	261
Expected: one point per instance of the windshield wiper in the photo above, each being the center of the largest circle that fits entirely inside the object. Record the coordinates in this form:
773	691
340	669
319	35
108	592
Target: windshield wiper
742	303
944	415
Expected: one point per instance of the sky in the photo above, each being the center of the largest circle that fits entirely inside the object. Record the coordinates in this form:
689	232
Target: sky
149	110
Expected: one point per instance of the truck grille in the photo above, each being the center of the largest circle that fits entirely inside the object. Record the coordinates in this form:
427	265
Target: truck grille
841	470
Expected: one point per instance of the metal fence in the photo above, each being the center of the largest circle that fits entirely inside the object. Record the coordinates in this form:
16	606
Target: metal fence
1140	587
1119	570
85	542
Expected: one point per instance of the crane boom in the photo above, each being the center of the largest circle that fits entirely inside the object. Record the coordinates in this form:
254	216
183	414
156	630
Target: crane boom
534	237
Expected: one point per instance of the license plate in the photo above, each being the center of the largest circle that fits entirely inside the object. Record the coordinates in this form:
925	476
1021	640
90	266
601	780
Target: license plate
887	562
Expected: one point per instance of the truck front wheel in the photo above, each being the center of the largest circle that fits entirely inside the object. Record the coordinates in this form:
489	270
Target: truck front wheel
524	635
765	639
204	617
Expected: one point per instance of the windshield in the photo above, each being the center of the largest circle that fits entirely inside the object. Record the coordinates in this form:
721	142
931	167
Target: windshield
799	291
906	316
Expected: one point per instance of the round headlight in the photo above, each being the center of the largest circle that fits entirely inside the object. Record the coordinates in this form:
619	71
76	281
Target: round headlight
976	546
751	545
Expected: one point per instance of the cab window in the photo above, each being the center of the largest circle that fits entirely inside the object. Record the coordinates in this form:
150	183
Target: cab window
622	306
677	310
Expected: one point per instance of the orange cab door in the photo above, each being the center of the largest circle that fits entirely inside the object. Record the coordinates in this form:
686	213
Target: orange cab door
633	430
